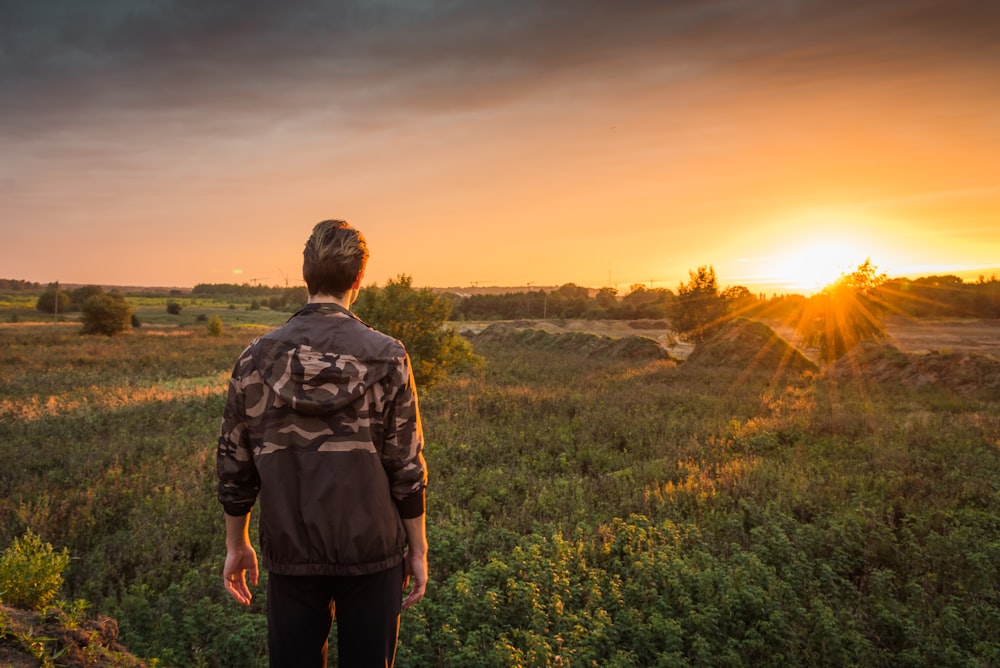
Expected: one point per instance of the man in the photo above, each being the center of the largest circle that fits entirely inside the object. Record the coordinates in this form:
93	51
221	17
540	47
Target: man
321	423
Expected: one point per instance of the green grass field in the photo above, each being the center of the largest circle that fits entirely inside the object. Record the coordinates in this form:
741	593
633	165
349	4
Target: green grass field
152	311
582	511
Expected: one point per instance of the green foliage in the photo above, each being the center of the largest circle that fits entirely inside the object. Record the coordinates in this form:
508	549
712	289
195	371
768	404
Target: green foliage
53	300
699	309
292	299
106	313
80	295
174	308
17	285
584	510
643	302
567	301
188	624
214	326
31	572
417	318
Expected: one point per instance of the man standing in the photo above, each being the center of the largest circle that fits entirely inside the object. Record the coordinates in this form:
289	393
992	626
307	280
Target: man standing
322	427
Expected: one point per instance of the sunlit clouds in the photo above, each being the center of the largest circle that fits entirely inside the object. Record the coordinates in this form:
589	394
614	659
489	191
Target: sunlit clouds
165	143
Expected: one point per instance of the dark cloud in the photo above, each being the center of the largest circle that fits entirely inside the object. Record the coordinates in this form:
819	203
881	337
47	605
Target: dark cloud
63	60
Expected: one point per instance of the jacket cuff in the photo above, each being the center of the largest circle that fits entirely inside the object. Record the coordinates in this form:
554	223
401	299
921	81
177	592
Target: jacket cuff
237	509
412	506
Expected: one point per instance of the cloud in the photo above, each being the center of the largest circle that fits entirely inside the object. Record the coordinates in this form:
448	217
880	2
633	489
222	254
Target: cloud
66	60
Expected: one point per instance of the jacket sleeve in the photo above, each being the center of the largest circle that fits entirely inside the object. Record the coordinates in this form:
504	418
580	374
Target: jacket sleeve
403	444
239	482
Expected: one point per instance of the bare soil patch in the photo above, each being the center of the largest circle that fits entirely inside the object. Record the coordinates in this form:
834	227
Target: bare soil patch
909	336
931	336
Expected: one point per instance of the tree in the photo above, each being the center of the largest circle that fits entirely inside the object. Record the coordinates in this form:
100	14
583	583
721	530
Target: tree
106	313
53	300
699	308
845	313
643	302
417	318
739	300
607	298
81	294
295	298
568	301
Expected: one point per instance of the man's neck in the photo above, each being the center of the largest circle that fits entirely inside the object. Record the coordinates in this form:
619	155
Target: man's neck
322	298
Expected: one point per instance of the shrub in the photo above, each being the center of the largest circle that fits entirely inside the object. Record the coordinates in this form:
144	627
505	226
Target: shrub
214	326
845	314
31	572
174	308
53	300
106	314
78	296
416	317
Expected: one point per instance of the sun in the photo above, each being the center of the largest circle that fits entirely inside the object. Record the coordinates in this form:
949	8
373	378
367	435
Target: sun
809	266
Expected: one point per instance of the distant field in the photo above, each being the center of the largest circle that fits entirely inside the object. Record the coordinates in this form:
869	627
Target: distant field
152	311
909	335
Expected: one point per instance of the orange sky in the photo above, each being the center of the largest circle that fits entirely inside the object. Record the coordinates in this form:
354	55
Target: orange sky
508	144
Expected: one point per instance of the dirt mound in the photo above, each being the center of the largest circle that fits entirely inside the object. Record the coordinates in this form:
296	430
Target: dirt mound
93	642
750	346
962	372
648	324
595	345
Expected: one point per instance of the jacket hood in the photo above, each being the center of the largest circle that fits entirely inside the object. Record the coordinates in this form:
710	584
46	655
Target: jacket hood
311	380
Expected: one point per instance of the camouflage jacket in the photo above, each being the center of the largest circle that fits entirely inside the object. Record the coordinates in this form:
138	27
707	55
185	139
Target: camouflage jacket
321	423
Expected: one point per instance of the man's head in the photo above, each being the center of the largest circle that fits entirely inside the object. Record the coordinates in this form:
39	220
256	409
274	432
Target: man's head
334	258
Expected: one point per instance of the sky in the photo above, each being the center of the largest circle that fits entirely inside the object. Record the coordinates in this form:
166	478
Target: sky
510	143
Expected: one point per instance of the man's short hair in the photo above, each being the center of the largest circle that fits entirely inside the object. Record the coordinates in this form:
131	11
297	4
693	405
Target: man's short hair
333	257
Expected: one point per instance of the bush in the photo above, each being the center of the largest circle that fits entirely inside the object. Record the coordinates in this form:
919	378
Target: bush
845	314
174	308
53	300
78	296
417	318
214	326
31	572
107	314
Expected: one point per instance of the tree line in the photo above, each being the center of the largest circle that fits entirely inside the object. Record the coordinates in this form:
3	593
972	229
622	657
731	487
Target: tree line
925	297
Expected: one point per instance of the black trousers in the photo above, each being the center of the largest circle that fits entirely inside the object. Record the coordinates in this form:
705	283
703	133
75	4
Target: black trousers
301	610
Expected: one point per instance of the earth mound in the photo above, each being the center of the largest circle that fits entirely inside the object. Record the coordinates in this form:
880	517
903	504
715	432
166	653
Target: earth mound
594	345
648	324
962	372
93	642
751	346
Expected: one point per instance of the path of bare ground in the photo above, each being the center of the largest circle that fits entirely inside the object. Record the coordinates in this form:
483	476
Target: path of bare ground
926	336
910	336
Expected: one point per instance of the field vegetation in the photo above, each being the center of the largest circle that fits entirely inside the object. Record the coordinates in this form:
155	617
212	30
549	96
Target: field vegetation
742	507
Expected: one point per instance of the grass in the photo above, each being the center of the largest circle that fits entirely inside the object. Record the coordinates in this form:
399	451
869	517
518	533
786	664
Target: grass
604	511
